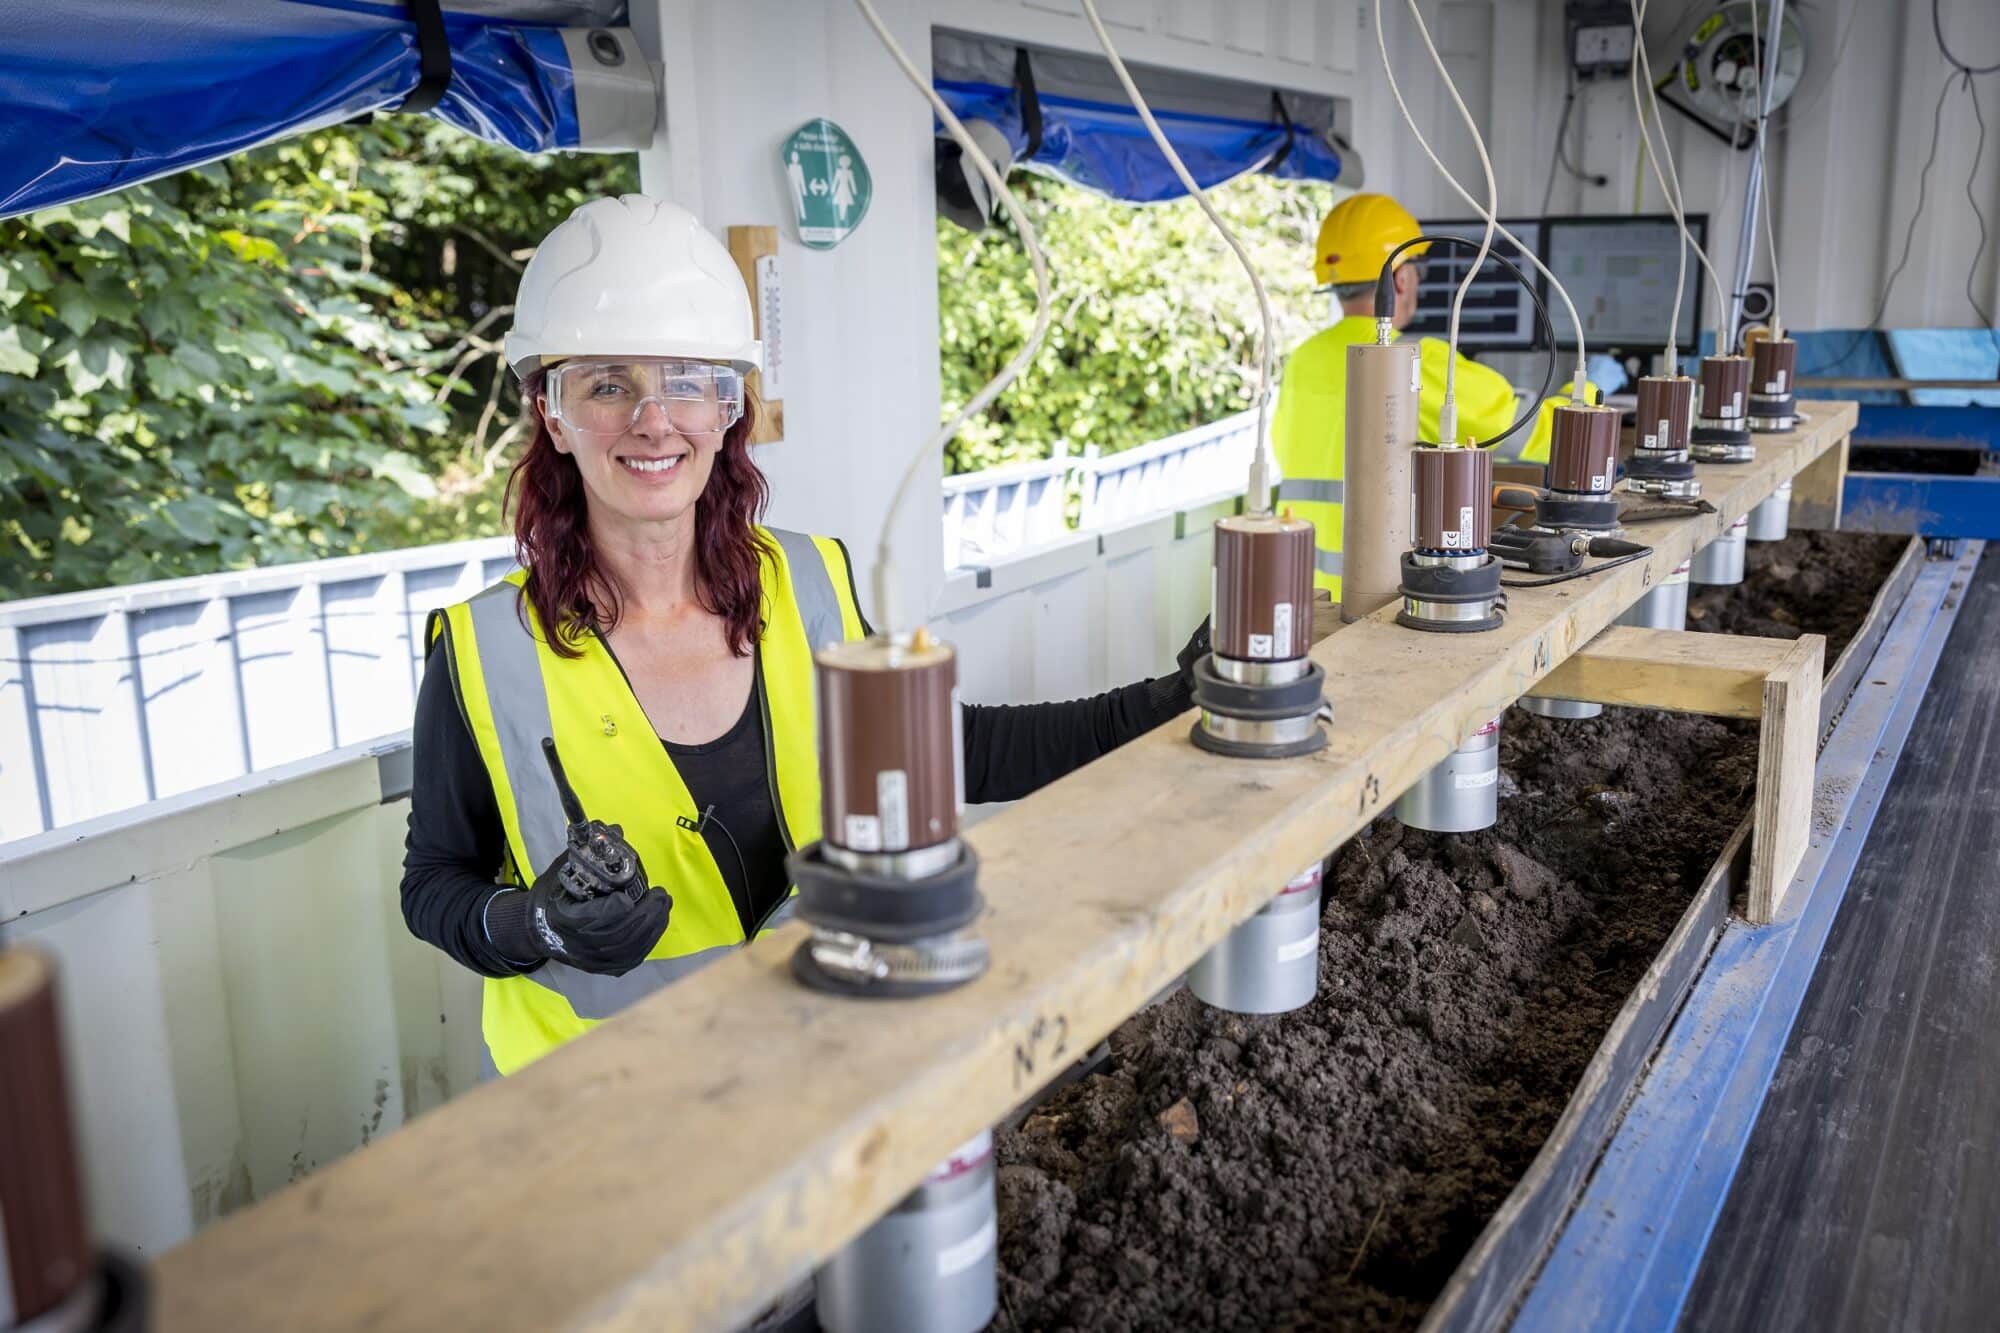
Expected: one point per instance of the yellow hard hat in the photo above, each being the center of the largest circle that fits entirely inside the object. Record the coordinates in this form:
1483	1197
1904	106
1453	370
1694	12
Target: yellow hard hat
1358	235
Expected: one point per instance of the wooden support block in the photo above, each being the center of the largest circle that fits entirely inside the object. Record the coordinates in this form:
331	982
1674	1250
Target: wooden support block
1787	753
775	1123
1723	675
1816	491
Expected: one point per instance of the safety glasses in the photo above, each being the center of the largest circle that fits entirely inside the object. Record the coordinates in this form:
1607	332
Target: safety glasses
606	398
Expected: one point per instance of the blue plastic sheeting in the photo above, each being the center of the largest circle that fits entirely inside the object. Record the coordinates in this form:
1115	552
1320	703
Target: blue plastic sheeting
1902	426
96	95
1921	504
1104	147
1948	354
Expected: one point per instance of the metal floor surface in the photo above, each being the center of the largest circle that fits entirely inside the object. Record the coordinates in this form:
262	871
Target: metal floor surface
1869	1193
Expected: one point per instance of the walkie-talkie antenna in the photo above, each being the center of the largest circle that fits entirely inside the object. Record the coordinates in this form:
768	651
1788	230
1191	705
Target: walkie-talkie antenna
572	808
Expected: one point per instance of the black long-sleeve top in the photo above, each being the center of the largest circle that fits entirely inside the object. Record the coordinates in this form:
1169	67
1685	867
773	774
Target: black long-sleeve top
454	847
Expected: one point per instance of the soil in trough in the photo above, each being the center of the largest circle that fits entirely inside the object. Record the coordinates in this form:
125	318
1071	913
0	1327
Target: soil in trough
1328	1169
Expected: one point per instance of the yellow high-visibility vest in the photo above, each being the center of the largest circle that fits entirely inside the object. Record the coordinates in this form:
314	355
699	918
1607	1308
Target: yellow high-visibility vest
1309	430
514	690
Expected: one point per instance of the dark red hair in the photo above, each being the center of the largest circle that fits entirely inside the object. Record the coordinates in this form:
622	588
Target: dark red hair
573	595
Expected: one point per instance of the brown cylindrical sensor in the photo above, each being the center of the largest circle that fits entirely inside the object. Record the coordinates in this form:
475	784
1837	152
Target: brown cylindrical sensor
1583	449
44	1241
1454	500
1666	412
1773	367
1382	381
1725	381
888	743
1263	588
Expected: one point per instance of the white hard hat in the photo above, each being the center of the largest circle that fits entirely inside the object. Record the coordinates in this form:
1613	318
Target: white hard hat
632	276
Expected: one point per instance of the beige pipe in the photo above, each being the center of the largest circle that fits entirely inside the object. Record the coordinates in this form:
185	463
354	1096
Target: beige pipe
1375	513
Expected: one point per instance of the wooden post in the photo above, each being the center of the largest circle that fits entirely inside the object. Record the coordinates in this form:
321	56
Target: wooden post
1816	491
753	248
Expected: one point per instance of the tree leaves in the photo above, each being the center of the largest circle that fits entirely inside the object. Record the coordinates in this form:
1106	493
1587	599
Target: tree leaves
238	365
1156	326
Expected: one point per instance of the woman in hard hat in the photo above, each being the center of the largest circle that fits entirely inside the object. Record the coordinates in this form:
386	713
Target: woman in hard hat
663	641
1309	432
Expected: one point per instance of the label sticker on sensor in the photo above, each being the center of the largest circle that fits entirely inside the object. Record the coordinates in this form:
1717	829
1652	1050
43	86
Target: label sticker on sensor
1465	781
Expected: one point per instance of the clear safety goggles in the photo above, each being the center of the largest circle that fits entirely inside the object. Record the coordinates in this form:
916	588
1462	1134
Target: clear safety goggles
606	398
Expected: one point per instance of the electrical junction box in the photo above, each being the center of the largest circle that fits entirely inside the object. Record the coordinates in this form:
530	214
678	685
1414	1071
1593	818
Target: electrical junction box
1601	37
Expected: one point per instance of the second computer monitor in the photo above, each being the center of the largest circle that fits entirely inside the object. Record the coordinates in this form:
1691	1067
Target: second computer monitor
1620	273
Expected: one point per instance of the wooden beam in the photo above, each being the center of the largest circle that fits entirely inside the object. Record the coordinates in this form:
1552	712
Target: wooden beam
1674	670
1817	490
1723	675
691	1157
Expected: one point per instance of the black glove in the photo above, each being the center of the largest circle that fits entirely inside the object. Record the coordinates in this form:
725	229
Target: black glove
1171	694
610	933
1197	648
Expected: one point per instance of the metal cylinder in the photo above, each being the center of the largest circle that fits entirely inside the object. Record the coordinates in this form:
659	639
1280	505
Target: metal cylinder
1720	563
1382	382
1665	607
1462	794
1666	413
1270	963
46	1260
1771	520
1774	365
1263	588
1454	500
891	772
1725	384
928	1266
1583	449
1570	710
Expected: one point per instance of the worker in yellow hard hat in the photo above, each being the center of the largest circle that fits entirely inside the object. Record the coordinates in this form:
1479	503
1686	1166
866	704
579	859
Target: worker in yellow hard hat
1310	429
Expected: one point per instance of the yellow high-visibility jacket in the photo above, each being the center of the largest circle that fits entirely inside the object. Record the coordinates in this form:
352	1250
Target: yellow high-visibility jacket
1309	430
514	690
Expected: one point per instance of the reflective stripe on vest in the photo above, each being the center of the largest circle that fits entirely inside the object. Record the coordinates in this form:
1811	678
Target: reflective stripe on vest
1327	562
1312	492
515	690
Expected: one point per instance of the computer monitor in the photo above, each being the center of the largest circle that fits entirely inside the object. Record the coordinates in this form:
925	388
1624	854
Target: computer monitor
1620	273
1498	315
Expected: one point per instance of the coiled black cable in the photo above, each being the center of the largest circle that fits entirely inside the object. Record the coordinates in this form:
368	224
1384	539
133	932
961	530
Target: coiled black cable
1385	308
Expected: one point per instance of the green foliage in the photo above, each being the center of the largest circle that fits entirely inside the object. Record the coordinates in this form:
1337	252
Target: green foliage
266	359
1156	326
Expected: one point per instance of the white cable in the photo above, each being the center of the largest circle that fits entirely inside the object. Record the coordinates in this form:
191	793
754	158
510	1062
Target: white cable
1764	176
1262	466
885	584
1673	205
1395	90
1448	416
1678	200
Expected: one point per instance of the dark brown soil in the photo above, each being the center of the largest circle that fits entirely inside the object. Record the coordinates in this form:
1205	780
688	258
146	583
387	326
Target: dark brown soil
1328	1169
1811	582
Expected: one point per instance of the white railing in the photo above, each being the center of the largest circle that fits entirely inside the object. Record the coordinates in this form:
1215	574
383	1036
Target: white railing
115	698
991	515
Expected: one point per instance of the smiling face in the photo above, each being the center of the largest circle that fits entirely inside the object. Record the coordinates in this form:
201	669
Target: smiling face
641	458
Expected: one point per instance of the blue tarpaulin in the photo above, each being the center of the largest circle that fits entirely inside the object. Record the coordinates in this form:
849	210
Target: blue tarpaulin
1105	147
1091	136
99	94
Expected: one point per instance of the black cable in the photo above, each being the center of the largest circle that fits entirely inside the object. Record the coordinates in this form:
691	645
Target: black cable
1385	308
1909	232
1584	572
1985	316
1555	158
1937	26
